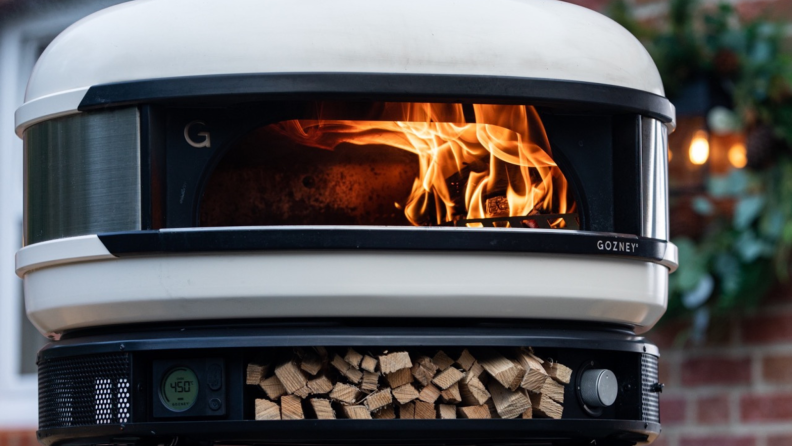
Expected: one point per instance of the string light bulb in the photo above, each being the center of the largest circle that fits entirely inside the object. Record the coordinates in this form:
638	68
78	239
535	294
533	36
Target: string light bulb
738	156
699	148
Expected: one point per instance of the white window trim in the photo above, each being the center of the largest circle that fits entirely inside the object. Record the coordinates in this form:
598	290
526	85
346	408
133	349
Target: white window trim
21	34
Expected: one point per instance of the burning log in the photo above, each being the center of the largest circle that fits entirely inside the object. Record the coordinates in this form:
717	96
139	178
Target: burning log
267	410
323	409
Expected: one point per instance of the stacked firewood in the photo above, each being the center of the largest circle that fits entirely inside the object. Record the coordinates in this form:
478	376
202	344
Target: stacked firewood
322	384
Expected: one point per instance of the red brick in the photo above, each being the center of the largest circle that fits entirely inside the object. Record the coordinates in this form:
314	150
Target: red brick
673	411
779	440
668	334
722	440
661	440
713	409
763	408
777	369
665	372
18	438
716	370
764	329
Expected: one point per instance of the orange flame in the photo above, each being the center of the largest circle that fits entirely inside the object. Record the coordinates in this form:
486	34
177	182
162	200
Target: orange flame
499	166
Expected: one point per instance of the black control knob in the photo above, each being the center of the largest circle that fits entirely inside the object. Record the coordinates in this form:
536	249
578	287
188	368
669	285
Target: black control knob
598	388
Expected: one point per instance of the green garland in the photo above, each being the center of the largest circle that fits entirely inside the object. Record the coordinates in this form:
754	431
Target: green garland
743	253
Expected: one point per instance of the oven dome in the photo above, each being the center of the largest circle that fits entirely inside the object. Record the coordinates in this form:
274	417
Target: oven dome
541	39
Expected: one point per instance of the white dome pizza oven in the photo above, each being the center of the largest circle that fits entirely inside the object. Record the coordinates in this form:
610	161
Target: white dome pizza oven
226	198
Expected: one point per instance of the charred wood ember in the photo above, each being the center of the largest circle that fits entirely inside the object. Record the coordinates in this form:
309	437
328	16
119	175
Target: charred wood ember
420	384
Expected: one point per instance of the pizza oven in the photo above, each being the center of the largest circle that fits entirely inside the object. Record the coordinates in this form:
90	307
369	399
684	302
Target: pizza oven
229	204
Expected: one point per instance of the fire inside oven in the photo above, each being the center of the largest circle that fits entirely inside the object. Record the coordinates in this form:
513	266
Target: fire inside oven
394	164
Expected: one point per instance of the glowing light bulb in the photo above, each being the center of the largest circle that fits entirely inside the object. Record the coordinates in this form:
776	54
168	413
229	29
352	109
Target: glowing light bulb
699	148
670	155
737	155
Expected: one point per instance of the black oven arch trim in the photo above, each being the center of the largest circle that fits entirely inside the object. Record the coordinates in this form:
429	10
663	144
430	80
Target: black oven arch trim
251	239
383	86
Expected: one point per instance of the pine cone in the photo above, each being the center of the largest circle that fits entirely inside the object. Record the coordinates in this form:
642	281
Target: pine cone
761	145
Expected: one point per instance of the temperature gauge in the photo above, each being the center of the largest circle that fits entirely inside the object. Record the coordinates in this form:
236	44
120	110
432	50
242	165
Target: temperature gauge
179	389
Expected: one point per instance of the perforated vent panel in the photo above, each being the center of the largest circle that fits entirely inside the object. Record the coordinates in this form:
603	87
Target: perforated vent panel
650	407
84	390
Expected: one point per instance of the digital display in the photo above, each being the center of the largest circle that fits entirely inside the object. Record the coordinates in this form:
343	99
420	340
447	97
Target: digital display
179	389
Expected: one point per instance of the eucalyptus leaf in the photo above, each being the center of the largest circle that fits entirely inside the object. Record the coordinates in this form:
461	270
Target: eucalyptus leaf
703	206
746	211
750	247
700	294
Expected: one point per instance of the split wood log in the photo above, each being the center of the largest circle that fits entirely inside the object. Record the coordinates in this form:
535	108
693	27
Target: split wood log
425	411
535	374
451	395
447	378
387	413
554	390
405	394
407	411
323	409
492	409
369	364
291	377
370	381
353	358
447	411
442	361
352	374
320	385
466	360
345	393
509	404
528	413
477	370
267	410
400	378
473	412
357	412
291	408
559	372
273	387
504	370
429	394
255	373
311	362
473	391
424	370
378	400
394	362
543	406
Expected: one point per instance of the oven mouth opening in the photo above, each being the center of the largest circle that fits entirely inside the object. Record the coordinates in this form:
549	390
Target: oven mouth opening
394	164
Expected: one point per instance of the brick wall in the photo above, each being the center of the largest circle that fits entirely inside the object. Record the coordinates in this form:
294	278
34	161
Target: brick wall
736	388
18	438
